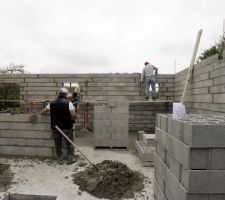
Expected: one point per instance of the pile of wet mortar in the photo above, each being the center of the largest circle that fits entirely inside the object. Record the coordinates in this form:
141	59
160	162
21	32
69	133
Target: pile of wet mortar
114	180
6	177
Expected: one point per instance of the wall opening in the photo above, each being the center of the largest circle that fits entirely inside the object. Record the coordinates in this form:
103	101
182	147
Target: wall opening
9	97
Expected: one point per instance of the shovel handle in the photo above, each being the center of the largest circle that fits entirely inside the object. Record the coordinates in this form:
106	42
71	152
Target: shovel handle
59	130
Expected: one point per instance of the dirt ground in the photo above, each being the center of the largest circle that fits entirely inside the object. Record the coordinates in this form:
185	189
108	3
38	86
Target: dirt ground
46	177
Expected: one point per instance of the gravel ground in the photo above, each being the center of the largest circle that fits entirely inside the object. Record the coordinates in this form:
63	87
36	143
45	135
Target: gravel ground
46	177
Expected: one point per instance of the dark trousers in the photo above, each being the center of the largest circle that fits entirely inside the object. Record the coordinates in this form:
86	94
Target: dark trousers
58	137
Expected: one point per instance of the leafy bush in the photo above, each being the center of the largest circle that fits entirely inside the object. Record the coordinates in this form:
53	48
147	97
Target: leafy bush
217	48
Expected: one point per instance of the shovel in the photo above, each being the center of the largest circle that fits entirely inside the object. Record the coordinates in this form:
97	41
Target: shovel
58	129
179	109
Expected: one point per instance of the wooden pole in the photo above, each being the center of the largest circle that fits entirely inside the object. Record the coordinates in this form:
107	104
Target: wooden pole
191	65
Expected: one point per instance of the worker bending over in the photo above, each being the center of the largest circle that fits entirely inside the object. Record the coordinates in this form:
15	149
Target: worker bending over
62	114
148	76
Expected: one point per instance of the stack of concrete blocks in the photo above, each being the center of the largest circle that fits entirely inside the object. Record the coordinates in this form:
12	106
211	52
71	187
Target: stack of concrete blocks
145	147
25	135
190	158
111	124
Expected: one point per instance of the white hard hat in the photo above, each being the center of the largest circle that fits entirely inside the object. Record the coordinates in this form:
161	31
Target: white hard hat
63	90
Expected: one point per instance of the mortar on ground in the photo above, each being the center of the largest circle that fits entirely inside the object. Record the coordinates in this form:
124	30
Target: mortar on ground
114	180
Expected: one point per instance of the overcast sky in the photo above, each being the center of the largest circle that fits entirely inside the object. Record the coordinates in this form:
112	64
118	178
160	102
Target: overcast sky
95	36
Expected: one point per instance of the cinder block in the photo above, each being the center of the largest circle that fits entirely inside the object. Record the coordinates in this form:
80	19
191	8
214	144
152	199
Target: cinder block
157	191
178	150
18	151
102	143
218	159
174	166
174	190
204	135
160	136
184	177
104	122
160	172
170	125
3	141
161	152
206	181
45	152
145	153
121	110
216	197
119	143
200	158
158	120
25	134
163	122
177	129
121	123
149	140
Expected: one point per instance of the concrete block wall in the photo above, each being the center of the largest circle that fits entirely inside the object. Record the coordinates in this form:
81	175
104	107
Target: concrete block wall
206	92
94	87
189	158
111	124
143	115
25	135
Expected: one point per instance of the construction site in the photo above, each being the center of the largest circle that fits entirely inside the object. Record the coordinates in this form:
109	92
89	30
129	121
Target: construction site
139	150
112	100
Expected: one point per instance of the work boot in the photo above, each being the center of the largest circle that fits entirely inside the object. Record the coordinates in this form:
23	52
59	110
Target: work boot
60	160
71	160
146	98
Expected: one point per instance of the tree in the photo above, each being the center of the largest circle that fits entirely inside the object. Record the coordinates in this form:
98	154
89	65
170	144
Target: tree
12	69
217	48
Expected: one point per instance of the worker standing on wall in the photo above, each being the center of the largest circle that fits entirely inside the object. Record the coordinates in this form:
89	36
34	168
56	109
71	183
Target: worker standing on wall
62	114
148	76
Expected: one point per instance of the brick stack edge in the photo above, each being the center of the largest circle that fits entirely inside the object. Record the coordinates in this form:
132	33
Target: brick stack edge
111	124
190	157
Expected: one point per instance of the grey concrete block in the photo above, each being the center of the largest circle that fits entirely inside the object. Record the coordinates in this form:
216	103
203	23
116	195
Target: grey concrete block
3	141
145	153
120	123
105	122
178	150
200	158
161	152
204	135
184	177
163	122
174	190
174	166
119	143
206	181
149	140
121	110
177	129
218	159
25	134
160	172
158	120
216	196
102	143
18	151
45	152
157	191
160	136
